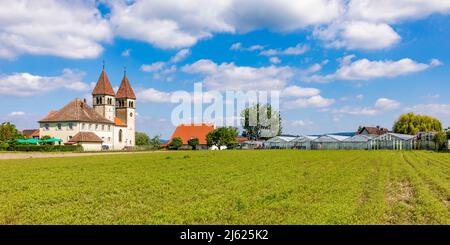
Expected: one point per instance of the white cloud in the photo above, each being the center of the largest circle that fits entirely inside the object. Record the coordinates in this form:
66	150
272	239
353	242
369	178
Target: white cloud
434	109
239	47
153	95
180	55
177	23
358	35
364	69
275	60
301	123
26	84
386	104
16	114
126	53
296	91
394	11
156	66
228	76
316	101
381	105
296	50
69	29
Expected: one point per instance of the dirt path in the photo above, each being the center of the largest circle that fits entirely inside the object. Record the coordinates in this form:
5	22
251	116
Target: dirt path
5	156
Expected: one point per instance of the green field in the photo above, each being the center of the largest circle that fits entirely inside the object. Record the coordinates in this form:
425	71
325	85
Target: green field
229	187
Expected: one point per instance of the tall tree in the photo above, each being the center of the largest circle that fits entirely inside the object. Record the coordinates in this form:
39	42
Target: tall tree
261	121
225	136
412	124
155	142
142	138
448	133
8	131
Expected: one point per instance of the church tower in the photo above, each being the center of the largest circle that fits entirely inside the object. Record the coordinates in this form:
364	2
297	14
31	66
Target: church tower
103	97
126	108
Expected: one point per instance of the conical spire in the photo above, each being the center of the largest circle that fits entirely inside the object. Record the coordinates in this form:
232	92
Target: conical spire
125	89
103	86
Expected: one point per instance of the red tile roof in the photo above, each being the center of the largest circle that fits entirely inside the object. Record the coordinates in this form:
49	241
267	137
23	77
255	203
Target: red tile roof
76	111
85	137
35	134
189	131
103	86
125	90
27	133
374	130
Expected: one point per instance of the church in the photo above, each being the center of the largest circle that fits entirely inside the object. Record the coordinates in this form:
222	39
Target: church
108	125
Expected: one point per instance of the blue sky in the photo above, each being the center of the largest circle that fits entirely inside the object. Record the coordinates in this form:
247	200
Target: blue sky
350	63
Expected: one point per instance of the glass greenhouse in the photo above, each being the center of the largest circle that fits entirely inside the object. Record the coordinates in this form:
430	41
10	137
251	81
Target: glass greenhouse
328	142
357	142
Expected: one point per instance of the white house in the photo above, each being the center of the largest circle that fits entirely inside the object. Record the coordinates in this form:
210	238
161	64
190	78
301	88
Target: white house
108	124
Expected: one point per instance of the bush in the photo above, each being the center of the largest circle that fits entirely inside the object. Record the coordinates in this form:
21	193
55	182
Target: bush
4	146
45	148
176	143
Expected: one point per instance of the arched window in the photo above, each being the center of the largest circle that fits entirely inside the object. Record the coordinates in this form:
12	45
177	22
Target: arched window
120	135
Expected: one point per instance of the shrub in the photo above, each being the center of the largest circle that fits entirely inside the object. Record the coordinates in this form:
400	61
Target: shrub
45	148
176	143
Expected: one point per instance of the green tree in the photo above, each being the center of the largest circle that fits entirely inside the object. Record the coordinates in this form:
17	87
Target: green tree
225	136
155	142
261	121
448	133
194	142
176	143
46	137
142	138
412	124
440	139
8	131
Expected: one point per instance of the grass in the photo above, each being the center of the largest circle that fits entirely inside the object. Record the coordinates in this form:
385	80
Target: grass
229	187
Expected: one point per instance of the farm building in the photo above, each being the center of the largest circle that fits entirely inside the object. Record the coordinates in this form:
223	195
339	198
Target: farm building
374	131
393	141
252	144
191	131
328	142
303	142
279	142
357	142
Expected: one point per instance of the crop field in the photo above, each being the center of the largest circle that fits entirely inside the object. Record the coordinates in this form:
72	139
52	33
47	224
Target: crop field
229	187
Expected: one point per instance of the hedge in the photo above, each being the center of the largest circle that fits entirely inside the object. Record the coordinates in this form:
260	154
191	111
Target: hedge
45	148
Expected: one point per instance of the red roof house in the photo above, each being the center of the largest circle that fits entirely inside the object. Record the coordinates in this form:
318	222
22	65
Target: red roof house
190	131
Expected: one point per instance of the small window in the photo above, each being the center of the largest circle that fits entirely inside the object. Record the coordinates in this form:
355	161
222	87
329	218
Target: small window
131	114
71	126
47	126
59	126
103	127
83	126
96	126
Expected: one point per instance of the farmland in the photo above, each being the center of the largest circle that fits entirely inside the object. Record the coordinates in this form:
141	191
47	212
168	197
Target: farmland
229	187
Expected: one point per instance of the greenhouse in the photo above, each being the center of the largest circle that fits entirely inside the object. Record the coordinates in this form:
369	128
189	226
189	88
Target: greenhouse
357	142
328	142
302	142
279	142
393	141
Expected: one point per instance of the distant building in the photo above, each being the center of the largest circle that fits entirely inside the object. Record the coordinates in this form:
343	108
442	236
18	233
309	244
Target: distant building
31	133
191	131
374	131
108	124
